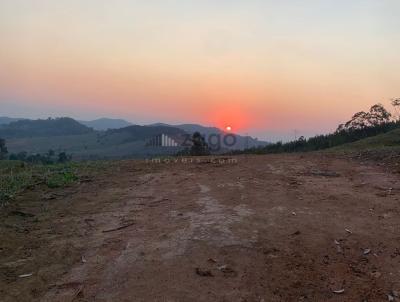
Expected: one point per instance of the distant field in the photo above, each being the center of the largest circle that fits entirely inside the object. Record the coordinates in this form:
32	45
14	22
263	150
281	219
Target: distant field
93	145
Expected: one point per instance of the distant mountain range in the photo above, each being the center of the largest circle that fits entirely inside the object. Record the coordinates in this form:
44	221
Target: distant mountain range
104	138
42	128
106	123
98	124
241	142
6	120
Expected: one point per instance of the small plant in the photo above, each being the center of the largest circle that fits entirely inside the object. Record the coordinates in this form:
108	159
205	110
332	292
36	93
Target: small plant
61	179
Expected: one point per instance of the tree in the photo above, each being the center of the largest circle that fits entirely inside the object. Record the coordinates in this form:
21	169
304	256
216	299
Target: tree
378	115
396	105
199	147
51	153
3	149
358	121
22	156
340	128
62	157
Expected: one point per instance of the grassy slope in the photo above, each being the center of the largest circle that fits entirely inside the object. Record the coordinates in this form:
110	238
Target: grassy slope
389	140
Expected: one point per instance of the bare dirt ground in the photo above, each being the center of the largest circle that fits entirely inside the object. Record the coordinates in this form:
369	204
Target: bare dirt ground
269	228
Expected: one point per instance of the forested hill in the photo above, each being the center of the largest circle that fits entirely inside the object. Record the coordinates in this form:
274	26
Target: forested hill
362	125
136	132
46	127
106	123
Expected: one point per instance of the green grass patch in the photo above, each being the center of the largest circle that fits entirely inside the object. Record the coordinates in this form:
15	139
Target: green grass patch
62	178
16	176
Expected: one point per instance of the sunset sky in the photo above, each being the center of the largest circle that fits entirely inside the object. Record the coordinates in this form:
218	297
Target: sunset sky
263	67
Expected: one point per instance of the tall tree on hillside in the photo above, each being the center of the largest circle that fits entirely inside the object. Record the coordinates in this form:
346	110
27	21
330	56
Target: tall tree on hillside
396	105
3	149
378	115
358	121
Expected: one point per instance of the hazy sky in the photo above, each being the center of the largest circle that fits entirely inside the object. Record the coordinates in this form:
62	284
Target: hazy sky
263	67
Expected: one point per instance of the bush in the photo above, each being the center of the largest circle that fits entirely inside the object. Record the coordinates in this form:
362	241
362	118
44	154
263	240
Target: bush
3	149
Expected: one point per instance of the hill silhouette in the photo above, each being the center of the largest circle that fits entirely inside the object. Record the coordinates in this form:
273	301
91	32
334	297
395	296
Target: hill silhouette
105	123
6	120
136	132
40	128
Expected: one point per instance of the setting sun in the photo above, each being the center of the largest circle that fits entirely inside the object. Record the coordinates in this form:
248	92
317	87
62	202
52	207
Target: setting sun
228	128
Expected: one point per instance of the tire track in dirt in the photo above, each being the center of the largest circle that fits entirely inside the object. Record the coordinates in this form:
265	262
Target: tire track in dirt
266	229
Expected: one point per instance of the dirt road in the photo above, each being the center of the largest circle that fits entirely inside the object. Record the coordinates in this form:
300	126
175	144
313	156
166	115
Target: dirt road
268	228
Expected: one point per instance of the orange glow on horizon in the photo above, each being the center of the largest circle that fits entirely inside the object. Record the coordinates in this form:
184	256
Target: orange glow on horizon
161	61
234	118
